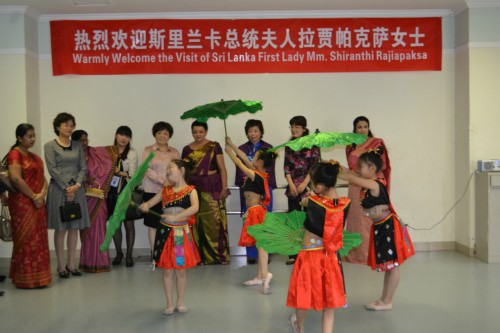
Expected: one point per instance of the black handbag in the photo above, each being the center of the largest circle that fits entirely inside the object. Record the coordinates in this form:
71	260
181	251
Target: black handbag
70	211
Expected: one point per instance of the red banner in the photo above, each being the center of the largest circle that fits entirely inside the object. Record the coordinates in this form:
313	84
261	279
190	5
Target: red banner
246	46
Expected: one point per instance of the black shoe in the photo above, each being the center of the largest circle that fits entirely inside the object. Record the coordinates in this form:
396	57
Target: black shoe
74	272
129	262
2	278
2	293
251	261
64	274
118	259
290	261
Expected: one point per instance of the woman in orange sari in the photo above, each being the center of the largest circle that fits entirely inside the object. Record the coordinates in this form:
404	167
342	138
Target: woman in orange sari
356	220
30	262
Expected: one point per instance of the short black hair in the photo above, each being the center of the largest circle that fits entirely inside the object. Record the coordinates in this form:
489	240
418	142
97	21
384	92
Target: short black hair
199	123
254	123
163	126
61	118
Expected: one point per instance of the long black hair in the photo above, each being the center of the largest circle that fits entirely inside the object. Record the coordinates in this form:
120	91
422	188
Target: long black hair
21	131
126	131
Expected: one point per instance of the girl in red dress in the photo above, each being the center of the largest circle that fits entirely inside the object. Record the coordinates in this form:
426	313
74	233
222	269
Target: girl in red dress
257	197
317	280
174	248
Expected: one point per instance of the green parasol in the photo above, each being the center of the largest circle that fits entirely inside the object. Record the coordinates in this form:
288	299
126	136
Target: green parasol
322	140
123	202
222	110
282	233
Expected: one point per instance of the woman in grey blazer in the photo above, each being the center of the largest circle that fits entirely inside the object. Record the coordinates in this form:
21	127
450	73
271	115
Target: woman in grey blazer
65	162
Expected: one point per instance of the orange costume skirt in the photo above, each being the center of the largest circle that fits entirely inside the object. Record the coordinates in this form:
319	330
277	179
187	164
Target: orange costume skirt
317	281
179	250
390	244
255	215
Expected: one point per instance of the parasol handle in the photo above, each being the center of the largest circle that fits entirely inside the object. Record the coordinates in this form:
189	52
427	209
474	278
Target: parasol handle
225	129
150	212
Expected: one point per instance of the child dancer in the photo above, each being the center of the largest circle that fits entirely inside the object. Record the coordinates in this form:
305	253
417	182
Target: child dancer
317	280
390	244
174	249
256	193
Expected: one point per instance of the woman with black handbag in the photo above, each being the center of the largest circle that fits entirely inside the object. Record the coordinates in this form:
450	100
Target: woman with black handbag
127	164
65	162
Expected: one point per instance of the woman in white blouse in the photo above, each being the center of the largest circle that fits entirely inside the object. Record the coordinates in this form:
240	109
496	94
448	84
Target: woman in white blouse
126	167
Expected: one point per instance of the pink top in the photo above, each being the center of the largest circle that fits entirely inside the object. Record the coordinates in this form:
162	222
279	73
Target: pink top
157	171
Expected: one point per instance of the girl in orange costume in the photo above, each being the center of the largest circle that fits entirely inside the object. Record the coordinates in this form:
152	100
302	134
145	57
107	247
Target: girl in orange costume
256	192
317	280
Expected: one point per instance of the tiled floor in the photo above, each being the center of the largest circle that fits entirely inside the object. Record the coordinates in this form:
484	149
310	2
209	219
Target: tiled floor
439	292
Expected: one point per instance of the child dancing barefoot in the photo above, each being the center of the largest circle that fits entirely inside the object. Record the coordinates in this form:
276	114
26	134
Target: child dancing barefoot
174	249
317	280
256	193
390	244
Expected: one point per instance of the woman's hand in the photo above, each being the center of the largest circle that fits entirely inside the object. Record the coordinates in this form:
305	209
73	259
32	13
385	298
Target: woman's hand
39	199
302	186
293	189
225	193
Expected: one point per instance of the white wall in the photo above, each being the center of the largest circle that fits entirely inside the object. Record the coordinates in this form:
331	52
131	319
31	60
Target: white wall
413	111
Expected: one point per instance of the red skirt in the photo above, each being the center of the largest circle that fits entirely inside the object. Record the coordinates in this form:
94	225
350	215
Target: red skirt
316	282
179	251
397	242
255	215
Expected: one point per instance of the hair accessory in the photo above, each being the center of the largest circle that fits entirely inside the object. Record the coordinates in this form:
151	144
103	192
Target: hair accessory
376	151
332	162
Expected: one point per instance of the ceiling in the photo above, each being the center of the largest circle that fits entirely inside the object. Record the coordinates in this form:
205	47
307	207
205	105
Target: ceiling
82	7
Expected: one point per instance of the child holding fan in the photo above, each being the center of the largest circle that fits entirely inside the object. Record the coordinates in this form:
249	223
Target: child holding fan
174	248
317	279
390	244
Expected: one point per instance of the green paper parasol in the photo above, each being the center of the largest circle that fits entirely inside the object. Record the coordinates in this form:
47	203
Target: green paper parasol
322	140
222	110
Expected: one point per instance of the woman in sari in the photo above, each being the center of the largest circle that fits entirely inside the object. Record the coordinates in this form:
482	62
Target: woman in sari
101	164
356	220
210	179
30	262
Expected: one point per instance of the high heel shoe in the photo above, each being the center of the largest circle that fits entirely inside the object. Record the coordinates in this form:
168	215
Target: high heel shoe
118	259
74	272
129	262
265	284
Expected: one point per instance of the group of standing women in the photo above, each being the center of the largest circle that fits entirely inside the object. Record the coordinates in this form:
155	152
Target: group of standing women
74	166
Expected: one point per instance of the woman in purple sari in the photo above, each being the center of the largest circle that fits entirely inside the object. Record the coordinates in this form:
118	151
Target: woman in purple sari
210	178
101	165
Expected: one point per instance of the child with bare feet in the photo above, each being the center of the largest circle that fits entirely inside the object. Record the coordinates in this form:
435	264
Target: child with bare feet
390	244
257	197
317	281
174	248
